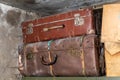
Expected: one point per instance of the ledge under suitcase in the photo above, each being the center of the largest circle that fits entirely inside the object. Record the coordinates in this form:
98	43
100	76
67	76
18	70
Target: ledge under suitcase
74	56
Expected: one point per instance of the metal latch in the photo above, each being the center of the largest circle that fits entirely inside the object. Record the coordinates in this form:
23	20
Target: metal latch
29	29
78	21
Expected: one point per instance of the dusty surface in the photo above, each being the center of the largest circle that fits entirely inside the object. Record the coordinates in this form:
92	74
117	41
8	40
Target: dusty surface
10	38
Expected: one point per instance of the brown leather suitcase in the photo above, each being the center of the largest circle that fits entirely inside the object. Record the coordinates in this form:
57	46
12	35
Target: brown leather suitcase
73	56
74	23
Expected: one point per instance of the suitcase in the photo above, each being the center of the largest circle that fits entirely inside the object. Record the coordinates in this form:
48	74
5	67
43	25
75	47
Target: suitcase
112	59
74	23
72	56
111	38
110	23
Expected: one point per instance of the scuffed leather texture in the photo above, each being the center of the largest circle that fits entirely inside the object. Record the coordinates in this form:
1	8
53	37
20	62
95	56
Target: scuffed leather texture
69	61
75	23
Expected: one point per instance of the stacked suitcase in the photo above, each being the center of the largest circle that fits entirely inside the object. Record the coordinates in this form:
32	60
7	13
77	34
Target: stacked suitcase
60	45
111	38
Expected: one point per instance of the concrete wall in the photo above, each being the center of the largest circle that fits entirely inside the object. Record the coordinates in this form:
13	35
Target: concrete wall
10	38
48	7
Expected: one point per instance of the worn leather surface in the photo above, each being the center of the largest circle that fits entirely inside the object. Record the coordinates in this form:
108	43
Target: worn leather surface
30	61
76	56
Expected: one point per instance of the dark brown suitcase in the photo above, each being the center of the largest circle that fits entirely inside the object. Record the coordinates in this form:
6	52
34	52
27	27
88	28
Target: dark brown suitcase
74	23
73	56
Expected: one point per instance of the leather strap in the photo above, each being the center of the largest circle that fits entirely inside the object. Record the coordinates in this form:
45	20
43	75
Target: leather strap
51	67
82	54
83	62
49	54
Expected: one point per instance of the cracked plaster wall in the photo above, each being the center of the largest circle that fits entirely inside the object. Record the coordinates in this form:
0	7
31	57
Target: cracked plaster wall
10	38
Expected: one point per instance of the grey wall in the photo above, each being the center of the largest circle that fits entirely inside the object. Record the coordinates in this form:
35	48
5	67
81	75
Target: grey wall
10	38
50	7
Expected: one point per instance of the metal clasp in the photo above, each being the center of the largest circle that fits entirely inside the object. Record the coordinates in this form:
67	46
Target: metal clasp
78	21
29	29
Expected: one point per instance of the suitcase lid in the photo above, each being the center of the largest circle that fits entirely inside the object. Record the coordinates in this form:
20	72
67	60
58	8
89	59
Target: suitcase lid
56	45
73	23
57	17
72	43
111	23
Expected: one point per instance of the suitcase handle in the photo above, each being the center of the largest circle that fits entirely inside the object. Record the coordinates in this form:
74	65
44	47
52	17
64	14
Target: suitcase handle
49	63
54	27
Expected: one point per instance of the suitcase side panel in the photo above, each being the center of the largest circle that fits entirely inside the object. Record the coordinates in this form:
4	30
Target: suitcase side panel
91	56
31	60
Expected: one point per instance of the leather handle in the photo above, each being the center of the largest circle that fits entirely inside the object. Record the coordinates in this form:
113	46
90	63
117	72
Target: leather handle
54	27
48	63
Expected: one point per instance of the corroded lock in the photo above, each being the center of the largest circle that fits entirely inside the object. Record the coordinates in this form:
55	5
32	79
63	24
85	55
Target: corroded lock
29	56
29	29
